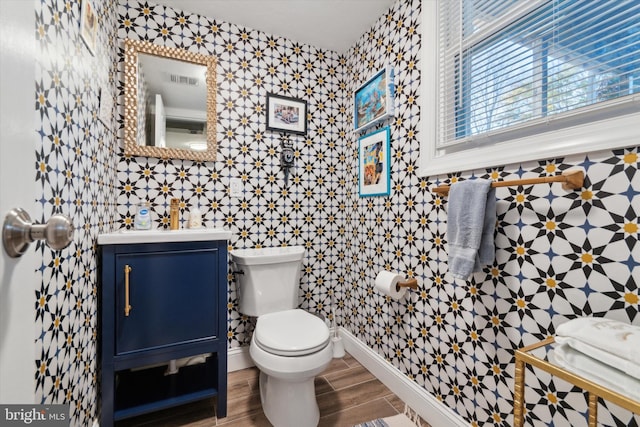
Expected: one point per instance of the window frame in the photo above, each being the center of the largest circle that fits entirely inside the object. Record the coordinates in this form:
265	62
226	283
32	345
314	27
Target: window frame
613	127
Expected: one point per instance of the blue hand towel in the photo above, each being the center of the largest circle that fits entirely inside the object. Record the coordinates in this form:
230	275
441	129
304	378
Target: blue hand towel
471	221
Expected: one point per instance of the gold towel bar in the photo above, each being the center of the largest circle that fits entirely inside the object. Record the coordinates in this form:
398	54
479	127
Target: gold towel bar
571	180
409	283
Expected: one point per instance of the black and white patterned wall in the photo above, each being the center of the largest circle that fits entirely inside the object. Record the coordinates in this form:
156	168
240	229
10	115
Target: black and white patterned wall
306	211
75	174
559	254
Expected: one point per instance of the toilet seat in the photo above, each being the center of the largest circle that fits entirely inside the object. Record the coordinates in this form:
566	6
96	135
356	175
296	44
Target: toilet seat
291	333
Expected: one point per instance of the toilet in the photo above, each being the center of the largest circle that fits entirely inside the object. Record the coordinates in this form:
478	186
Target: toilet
289	346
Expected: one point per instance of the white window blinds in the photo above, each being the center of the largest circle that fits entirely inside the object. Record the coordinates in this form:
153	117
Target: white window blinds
511	67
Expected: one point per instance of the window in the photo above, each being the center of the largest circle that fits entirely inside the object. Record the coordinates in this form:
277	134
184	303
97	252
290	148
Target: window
521	80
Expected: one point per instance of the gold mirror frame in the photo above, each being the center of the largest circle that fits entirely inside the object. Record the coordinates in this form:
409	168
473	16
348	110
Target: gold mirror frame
131	147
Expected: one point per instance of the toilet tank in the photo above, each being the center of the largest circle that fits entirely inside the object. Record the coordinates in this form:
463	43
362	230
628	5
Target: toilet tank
270	278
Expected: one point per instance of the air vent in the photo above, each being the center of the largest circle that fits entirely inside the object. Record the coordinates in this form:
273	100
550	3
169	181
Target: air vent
183	80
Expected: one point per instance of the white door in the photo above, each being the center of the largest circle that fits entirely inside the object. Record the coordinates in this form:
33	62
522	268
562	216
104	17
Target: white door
18	141
161	123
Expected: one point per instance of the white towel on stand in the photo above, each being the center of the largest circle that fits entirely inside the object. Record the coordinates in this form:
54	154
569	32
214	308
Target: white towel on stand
609	341
591	369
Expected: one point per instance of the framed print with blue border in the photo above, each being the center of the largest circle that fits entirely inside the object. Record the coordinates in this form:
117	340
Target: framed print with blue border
374	163
373	101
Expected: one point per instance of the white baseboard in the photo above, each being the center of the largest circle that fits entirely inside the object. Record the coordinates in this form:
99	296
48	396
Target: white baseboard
238	358
428	407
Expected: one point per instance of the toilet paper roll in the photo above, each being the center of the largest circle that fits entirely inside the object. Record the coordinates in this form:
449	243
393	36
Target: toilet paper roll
386	283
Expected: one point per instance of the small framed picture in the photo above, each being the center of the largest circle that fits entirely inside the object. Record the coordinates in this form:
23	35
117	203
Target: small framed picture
373	101
373	163
89	25
286	114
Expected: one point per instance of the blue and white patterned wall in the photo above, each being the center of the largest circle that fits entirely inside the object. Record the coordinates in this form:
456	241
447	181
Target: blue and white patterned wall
75	173
307	211
559	254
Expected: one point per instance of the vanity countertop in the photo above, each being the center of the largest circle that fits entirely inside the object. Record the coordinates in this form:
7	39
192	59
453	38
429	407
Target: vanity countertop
125	236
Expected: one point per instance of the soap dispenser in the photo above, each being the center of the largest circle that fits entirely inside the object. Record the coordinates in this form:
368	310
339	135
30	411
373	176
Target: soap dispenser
142	219
174	214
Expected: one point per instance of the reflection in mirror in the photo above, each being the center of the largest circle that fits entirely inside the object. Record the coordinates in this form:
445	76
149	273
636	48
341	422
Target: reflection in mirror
170	102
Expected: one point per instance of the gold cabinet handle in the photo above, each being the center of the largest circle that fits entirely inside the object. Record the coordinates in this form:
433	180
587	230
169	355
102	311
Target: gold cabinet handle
127	306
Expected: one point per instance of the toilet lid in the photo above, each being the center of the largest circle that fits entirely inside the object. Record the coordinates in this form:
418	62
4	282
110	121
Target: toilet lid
291	333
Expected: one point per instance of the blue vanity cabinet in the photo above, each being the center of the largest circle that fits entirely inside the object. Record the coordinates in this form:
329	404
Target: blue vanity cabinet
159	302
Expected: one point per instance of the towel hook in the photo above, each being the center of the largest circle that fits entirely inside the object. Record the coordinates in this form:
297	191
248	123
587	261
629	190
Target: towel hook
18	231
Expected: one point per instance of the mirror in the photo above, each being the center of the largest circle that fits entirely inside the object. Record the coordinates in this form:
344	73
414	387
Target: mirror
170	102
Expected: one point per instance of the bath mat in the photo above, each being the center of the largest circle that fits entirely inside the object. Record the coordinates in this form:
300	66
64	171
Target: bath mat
399	420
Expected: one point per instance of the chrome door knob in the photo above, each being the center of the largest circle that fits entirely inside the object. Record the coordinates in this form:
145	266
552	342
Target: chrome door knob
18	231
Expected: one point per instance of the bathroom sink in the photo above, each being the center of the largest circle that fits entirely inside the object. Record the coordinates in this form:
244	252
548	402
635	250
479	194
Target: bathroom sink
125	236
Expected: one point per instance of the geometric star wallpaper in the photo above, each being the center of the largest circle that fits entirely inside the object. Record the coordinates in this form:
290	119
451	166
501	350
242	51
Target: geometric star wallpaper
305	212
558	254
75	174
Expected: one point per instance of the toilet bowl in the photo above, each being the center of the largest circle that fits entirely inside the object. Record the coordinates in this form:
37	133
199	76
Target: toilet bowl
289	346
290	349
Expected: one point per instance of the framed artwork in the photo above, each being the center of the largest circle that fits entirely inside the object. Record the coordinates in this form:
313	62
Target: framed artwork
89	25
373	101
374	163
286	114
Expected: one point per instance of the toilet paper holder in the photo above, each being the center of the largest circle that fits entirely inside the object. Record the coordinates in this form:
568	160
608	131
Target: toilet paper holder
411	283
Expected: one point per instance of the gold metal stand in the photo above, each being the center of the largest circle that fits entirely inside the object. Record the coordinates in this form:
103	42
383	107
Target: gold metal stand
526	355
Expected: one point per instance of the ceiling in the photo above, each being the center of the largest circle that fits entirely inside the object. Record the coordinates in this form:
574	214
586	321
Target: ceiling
328	24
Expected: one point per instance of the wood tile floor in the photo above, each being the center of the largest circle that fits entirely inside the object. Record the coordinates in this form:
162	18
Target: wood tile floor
347	394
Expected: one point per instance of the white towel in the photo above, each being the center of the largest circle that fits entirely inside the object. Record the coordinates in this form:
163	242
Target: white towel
591	369
609	341
471	220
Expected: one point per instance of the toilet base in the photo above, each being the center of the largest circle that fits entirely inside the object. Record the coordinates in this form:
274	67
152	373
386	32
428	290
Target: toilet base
288	403
287	389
